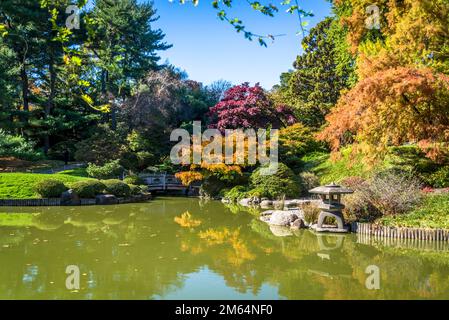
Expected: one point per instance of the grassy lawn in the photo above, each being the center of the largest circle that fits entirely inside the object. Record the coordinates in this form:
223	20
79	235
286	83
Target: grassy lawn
21	185
348	164
433	213
329	170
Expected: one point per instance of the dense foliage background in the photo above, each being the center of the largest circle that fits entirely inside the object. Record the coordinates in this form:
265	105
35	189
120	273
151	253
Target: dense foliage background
358	100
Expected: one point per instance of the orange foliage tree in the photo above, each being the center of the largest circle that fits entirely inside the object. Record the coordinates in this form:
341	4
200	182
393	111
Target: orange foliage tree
217	164
403	91
412	32
394	107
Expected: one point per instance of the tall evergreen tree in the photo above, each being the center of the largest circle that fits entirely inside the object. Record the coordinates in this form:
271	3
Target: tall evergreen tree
20	20
124	46
321	72
48	72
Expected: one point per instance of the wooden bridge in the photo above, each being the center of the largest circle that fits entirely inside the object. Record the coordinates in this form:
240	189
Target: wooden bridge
169	183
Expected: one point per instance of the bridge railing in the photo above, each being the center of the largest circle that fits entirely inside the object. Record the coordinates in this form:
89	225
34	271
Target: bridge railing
165	182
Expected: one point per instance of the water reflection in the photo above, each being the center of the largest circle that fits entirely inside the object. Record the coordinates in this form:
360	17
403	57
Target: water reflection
184	249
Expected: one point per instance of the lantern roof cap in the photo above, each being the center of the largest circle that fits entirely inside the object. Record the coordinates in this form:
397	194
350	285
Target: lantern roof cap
332	188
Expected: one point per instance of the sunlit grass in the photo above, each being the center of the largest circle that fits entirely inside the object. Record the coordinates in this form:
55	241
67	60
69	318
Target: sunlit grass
78	172
432	213
21	185
334	170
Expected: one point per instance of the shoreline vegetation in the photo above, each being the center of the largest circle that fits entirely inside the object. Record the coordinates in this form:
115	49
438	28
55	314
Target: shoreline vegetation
431	211
365	108
74	185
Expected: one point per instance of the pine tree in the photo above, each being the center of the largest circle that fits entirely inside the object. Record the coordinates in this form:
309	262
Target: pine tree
124	46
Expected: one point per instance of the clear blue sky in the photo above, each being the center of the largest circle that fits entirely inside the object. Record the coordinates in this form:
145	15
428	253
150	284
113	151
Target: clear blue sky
209	49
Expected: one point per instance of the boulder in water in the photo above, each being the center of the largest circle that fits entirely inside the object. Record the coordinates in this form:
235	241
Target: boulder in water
70	198
106	199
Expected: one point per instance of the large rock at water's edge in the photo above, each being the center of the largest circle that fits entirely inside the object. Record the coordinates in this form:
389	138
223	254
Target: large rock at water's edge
70	198
287	218
280	218
298	224
278	204
245	202
266	204
298	212
283	218
106	199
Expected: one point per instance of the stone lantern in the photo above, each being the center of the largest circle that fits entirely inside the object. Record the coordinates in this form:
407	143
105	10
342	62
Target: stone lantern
331	206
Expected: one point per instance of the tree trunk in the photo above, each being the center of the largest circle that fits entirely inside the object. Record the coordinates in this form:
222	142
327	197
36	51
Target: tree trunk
110	98
25	97
25	89
50	102
103	82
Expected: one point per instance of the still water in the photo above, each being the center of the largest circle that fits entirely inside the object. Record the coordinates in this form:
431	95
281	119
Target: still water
176	248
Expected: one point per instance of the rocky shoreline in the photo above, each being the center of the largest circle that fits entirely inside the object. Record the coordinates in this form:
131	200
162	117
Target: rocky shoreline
283	213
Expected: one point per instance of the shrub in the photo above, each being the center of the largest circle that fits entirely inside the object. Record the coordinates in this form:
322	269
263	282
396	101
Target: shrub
353	183
50	188
18	147
440	179
393	193
358	207
236	193
134	189
283	182
211	187
387	193
309	180
117	188
311	213
136	180
137	161
294	142
88	189
144	189
110	170
103	146
258	192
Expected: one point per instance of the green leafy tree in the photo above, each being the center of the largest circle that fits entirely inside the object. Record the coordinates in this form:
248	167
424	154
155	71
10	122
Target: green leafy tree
321	73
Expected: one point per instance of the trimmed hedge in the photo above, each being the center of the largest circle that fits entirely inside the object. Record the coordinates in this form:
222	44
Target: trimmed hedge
137	190
117	188
236	193
88	189
50	188
134	180
282	183
110	170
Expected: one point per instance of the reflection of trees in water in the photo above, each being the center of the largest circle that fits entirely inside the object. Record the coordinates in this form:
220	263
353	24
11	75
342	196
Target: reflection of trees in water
139	251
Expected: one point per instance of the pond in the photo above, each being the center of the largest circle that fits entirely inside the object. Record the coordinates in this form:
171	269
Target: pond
178	248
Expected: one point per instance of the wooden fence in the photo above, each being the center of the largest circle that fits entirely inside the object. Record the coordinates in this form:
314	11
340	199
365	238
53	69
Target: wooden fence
420	234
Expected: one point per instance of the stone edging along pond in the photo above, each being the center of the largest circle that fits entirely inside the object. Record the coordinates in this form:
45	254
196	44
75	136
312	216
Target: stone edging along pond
57	202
